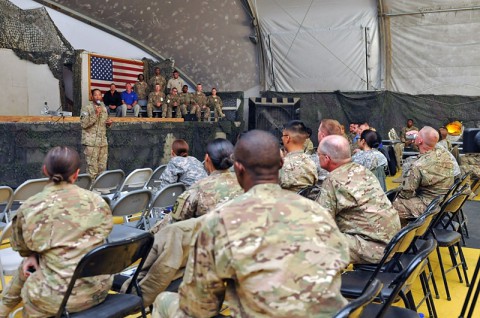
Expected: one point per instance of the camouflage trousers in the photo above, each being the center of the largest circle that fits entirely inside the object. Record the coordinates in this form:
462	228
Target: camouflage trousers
150	109
194	109
96	159
205	114
409	208
166	305
218	113
363	251
12	295
180	111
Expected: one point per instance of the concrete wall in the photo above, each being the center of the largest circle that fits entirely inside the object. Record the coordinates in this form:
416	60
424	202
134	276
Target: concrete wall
26	86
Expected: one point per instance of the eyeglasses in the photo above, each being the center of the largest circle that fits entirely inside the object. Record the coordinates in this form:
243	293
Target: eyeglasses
285	135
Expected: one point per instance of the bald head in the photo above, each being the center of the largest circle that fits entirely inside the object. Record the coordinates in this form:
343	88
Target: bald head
329	127
335	147
259	153
429	136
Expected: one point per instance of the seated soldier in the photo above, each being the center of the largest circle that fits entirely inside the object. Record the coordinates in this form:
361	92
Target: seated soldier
182	167
352	194
268	252
429	176
298	171
156	101
405	142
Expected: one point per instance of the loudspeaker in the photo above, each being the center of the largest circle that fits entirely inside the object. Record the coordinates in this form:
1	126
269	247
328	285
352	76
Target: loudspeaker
271	114
471	140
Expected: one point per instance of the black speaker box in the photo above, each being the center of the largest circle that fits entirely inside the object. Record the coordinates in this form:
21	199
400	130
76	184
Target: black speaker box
471	140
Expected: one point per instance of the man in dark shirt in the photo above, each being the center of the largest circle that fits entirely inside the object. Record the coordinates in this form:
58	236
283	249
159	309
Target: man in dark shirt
112	99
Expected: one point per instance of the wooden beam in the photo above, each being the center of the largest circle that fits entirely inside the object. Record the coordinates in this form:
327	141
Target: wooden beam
42	119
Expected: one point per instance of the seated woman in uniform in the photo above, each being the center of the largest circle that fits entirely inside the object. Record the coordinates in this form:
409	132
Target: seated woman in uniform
369	156
53	230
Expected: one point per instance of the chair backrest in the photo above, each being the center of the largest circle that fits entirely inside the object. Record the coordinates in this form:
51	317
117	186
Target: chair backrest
154	178
99	261
451	191
131	203
408	274
6	232
428	216
108	181
355	307
84	181
379	172
393	193
26	190
6	198
464	180
136	179
449	208
475	186
167	196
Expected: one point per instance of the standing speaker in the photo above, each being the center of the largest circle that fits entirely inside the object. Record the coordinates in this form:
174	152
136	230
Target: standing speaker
271	114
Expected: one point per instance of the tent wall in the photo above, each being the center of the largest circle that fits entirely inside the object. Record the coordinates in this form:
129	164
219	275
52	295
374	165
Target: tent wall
432	46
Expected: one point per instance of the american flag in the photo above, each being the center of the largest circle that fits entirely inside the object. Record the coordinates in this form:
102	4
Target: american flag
105	70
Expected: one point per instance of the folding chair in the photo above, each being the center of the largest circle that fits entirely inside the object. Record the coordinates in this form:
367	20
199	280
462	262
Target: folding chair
108	182
25	191
84	181
403	280
393	193
154	181
6	199
163	202
355	307
109	259
133	202
466	303
450	238
135	180
9	259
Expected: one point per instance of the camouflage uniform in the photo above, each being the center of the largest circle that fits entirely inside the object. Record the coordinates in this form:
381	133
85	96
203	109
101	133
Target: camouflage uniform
60	225
141	88
179	109
153	99
157	80
429	176
204	195
270	252
298	171
177	83
362	211
94	138
200	100
186	170
167	258
186	99
215	103
308	147
471	163
398	147
370	159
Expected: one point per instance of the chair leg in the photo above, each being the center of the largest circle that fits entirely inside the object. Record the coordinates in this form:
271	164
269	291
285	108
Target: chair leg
440	261
451	250
463	262
428	295
432	277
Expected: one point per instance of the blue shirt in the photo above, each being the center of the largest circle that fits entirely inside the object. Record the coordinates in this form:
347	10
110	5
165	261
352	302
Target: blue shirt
129	98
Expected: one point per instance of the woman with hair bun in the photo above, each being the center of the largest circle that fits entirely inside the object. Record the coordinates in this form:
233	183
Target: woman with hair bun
369	156
220	186
53	230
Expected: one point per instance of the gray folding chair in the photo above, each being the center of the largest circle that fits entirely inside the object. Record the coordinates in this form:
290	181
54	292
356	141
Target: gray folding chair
108	182
9	259
154	182
6	199
84	181
135	180
25	191
131	203
162	202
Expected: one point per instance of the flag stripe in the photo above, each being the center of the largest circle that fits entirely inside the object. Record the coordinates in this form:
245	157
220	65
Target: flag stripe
105	70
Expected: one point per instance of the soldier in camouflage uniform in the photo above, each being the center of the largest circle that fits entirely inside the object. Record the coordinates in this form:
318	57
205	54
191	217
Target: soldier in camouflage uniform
53	230
269	252
173	101
352	194
141	88
94	121
157	79
156	100
182	167
200	100
186	100
215	102
220	186
429	176
398	147
298	171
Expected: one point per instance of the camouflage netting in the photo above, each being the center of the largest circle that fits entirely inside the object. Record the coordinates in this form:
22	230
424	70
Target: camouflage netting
33	36
385	110
23	146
